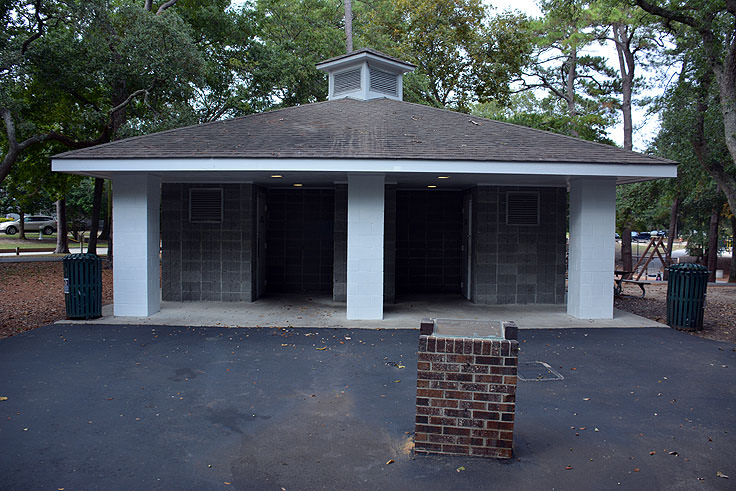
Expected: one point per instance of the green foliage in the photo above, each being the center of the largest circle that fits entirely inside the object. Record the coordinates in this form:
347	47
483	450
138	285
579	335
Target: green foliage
547	114
292	36
462	54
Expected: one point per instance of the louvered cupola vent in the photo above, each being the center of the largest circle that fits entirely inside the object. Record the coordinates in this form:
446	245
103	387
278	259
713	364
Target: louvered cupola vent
347	81
383	82
365	74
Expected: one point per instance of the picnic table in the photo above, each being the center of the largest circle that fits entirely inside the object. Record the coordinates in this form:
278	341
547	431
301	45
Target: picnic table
621	278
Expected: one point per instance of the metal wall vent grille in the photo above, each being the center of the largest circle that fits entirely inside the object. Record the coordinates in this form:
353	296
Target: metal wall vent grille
383	82
347	81
522	208
205	205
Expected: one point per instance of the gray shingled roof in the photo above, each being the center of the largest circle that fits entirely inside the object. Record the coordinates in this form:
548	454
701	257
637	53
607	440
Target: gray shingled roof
354	129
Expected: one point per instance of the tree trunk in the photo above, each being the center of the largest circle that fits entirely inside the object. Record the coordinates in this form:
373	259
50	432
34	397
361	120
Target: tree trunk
22	226
95	223
713	244
628	264
732	266
672	232
349	26
726	78
570	90
62	241
627	65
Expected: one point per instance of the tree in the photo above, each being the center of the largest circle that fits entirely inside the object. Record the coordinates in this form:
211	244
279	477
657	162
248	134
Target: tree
712	24
634	35
462	55
547	114
291	37
692	133
583	83
84	73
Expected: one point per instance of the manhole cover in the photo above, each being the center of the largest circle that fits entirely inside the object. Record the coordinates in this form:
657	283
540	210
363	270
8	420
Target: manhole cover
537	371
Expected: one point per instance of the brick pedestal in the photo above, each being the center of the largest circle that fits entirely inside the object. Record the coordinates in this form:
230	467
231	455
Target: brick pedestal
466	395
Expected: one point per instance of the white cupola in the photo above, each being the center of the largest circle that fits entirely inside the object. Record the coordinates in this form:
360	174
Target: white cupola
365	74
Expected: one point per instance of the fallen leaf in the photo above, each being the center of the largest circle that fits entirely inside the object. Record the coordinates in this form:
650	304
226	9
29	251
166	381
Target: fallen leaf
674	453
390	461
636	469
460	469
321	349
721	474
227	483
652	452
3	398
568	468
400	366
573	368
586	398
397	381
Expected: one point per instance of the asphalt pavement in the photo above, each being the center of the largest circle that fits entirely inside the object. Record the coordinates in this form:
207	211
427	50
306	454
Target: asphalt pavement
155	407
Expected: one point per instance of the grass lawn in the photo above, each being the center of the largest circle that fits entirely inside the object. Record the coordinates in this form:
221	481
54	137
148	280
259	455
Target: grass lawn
32	242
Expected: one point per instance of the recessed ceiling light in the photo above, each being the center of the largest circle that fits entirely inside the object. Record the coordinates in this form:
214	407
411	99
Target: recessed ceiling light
431	186
443	177
298	185
277	175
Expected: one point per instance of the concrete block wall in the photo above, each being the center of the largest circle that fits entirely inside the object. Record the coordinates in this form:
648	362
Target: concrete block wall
207	261
365	246
429	257
339	288
136	221
514	264
300	238
592	222
340	257
389	245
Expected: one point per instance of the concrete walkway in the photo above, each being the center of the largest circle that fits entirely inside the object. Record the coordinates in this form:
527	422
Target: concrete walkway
300	311
164	408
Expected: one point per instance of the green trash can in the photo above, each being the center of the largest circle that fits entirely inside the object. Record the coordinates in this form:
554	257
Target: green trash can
686	296
83	286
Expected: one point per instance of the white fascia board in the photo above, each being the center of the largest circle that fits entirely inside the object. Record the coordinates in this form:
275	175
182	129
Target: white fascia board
91	166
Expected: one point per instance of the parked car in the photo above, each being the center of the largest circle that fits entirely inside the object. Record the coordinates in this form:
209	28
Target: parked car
641	237
32	223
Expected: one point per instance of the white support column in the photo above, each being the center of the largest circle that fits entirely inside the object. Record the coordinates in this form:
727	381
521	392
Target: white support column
365	247
592	248
136	265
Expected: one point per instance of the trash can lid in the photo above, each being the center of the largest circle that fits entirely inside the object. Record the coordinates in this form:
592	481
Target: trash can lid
687	267
84	256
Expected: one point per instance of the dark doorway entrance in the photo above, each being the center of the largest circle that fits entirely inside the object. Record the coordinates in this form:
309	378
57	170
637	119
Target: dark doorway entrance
299	238
429	237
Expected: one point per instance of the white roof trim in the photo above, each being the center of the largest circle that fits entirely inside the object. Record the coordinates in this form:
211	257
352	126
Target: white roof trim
393	65
111	166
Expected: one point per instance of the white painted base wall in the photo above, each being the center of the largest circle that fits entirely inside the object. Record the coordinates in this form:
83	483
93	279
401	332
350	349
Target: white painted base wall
365	247
136	265
592	248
